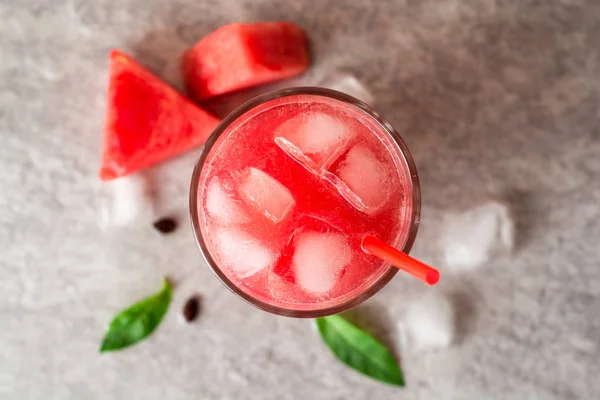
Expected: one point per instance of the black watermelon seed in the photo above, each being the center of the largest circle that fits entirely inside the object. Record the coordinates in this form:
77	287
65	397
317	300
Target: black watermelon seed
165	225
191	308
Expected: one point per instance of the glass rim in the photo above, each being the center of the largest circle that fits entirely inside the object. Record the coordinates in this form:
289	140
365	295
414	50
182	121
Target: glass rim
239	112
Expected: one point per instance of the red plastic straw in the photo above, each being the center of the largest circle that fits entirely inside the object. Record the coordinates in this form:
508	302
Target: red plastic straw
401	260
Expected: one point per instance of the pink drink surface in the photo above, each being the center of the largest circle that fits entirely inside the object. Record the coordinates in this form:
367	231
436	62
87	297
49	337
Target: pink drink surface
289	190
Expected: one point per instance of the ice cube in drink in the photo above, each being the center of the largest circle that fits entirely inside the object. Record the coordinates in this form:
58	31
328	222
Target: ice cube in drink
266	194
362	179
222	206
292	266
244	254
314	139
319	260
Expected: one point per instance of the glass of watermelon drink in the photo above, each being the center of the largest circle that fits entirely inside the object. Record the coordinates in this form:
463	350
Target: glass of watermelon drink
285	190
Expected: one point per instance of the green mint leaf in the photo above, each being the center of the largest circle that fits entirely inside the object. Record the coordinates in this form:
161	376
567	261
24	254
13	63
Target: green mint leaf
359	350
137	322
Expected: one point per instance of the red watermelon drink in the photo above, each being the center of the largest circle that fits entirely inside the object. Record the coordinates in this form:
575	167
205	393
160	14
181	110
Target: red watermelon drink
287	188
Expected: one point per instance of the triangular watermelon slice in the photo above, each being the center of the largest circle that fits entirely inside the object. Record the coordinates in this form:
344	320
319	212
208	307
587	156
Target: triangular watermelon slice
147	121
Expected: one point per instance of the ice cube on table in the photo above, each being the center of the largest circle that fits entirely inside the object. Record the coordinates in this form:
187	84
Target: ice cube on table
362	179
239	251
319	259
429	322
314	139
126	199
349	84
222	206
265	194
474	237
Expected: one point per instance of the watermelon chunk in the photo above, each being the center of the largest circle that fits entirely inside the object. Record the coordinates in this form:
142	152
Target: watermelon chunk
238	56
147	121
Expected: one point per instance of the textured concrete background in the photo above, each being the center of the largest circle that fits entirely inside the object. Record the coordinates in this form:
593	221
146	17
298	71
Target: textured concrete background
495	99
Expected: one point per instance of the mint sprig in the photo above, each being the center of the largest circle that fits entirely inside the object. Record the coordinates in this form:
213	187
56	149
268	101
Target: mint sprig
137	322
359	350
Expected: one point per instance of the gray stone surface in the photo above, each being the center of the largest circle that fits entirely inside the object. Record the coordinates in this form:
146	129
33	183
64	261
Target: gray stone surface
495	98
